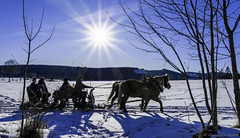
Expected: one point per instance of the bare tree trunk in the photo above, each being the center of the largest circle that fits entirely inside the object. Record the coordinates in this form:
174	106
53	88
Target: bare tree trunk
24	86
235	76
213	69
30	38
233	56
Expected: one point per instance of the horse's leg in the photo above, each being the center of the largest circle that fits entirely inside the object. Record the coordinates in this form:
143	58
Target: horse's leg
160	102
114	98
123	103
145	104
142	104
115	88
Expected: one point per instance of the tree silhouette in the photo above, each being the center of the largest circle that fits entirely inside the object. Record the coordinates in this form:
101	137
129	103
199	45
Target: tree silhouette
10	68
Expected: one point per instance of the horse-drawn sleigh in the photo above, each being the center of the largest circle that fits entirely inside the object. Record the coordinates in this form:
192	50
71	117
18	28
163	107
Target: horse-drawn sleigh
146	89
64	98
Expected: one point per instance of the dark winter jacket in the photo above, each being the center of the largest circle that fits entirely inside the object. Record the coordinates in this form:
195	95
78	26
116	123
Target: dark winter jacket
80	86
34	87
42	87
64	86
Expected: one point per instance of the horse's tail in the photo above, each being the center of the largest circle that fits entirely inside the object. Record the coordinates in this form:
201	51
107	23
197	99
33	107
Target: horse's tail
121	85
113	90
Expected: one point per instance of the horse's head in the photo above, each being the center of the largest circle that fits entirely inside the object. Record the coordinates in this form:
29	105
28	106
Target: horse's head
166	82
162	80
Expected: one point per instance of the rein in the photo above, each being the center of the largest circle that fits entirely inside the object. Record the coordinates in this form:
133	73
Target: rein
101	86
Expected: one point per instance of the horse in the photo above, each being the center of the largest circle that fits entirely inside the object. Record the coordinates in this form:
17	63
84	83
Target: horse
115	87
148	89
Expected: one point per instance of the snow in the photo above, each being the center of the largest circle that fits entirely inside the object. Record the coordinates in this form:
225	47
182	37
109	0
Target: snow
179	118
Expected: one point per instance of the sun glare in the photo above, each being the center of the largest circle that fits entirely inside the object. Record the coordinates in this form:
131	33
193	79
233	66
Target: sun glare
100	36
98	41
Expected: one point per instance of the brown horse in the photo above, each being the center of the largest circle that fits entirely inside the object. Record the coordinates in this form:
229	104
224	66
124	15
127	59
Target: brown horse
114	91
148	89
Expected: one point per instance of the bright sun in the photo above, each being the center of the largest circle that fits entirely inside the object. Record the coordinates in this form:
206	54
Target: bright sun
97	36
100	36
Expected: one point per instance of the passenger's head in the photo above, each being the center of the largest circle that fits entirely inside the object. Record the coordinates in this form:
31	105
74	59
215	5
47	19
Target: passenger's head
41	81
80	77
65	80
34	79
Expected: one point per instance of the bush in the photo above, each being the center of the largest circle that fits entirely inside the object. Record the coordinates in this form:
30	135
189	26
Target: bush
33	125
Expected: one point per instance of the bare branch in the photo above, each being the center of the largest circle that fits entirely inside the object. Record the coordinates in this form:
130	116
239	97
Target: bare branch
24	50
236	23
15	60
39	25
44	41
25	24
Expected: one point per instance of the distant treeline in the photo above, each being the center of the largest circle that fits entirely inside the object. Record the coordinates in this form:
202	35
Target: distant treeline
111	73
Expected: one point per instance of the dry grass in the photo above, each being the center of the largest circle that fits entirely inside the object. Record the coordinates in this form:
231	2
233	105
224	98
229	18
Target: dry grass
34	123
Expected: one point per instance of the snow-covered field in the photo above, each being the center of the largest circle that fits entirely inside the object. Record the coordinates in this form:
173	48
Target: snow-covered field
178	120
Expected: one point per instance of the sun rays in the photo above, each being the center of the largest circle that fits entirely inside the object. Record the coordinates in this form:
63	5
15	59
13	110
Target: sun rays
97	34
94	34
100	37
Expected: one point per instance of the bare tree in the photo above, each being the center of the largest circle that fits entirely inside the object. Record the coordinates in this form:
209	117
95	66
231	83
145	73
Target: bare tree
160	23
10	68
30	37
231	13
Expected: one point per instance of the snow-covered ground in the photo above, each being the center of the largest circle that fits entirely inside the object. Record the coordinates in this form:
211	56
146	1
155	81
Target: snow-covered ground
178	120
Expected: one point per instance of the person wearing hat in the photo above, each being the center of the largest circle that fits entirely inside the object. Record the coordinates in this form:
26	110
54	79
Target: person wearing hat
79	89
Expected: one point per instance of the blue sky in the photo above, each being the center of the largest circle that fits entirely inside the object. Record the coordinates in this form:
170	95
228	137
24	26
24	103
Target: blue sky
73	42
